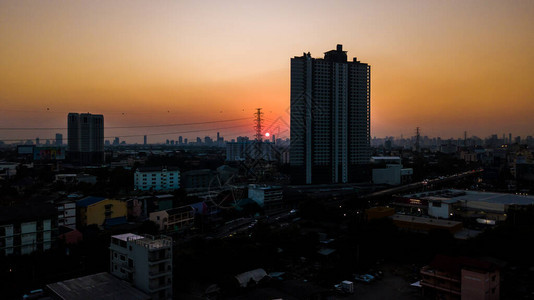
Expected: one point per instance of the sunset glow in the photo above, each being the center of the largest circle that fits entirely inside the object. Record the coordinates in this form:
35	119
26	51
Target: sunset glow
446	67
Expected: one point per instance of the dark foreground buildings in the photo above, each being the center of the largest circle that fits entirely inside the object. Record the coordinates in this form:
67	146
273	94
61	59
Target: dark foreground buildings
85	138
330	118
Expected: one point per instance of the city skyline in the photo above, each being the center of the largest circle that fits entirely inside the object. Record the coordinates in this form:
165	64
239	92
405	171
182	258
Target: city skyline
444	67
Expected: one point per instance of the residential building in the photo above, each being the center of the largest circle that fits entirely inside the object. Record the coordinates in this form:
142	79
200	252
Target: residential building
100	211
268	197
245	149
200	179
157	179
460	278
86	138
66	214
389	170
145	261
101	286
59	139
330	118
174	219
26	229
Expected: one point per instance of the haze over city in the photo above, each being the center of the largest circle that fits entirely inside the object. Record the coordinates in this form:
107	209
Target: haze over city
447	67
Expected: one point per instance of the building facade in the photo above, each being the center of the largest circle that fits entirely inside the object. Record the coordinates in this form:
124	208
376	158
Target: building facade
145	261
330	118
66	214
271	198
100	211
26	229
174	219
157	179
85	138
460	278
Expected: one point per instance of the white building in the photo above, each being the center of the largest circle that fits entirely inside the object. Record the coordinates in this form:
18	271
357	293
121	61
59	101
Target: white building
26	229
157	179
174	219
330	118
66	214
145	261
389	170
268	197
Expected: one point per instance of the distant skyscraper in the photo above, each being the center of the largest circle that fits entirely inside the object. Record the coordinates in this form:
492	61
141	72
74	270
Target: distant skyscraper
59	139
86	138
180	140
330	118
144	140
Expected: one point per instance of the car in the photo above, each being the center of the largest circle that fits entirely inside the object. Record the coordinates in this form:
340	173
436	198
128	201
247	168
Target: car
367	278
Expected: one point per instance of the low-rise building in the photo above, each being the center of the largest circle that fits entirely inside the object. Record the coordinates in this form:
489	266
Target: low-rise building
101	286
389	170
460	278
425	225
486	207
145	261
268	197
157	179
100	211
174	219
25	229
66	214
200	180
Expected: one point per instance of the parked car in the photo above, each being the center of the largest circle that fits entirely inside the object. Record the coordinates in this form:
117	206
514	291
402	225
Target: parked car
367	278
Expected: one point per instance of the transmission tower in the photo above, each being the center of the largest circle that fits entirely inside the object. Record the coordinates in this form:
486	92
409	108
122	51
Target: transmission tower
258	127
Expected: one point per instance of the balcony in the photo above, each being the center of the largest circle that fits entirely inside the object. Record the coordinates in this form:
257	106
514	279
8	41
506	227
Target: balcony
442	286
159	257
158	285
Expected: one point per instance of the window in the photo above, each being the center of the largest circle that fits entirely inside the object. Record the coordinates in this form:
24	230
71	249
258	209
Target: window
436	204
123	257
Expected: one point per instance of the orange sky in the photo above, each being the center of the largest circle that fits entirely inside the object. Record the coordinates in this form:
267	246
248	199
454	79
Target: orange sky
445	66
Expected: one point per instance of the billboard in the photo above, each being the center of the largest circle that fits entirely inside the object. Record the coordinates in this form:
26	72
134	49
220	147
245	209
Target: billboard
49	153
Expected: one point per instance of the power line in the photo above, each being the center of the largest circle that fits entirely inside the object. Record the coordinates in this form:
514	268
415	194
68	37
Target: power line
126	127
139	135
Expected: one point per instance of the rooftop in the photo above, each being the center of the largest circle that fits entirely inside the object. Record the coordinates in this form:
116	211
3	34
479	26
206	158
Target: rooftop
127	236
452	196
426	221
101	286
89	201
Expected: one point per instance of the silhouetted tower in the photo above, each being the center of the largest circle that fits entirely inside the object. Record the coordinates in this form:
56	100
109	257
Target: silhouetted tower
465	138
417	140
258	126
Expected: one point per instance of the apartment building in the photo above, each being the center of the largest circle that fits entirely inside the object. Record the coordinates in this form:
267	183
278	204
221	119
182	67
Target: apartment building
145	261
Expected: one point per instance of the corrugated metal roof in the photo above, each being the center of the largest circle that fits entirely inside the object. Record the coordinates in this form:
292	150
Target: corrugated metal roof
102	286
89	201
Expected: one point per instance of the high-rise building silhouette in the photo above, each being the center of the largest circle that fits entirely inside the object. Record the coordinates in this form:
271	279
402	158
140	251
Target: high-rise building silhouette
86	138
59	139
330	118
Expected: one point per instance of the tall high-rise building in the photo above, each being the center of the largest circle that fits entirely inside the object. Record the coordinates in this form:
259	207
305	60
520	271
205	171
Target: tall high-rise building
144	140
330	118
86	138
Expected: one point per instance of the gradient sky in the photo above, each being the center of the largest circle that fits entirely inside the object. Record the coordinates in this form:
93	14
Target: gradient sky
445	66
